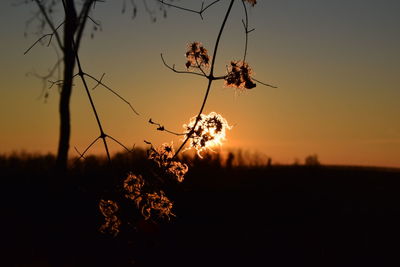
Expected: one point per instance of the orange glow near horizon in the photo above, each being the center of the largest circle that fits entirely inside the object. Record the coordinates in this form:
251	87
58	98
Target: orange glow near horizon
336	66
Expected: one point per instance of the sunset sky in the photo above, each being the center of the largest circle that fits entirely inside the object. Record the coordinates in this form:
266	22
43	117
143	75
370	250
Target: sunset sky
336	65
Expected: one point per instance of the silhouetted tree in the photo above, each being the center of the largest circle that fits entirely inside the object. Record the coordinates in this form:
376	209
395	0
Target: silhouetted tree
68	42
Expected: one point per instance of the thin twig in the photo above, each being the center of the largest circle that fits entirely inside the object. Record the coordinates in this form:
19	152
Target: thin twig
44	36
118	142
49	22
200	12
87	148
178	71
98	83
162	128
245	25
94	22
200	68
111	90
246	30
59	82
45	78
266	84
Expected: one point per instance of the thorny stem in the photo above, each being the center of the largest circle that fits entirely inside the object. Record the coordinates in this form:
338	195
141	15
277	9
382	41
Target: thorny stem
210	79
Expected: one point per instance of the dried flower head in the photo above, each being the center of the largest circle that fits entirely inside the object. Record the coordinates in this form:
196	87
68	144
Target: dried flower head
239	75
197	56
157	204
163	157
133	187
178	170
111	224
252	2
210	131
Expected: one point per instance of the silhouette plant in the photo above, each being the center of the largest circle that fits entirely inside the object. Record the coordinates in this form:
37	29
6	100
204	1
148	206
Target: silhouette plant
145	191
73	25
204	131
239	75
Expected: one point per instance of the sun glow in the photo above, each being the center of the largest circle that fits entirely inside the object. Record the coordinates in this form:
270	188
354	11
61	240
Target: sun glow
208	132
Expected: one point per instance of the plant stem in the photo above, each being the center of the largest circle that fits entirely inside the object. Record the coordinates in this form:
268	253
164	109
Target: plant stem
81	74
210	78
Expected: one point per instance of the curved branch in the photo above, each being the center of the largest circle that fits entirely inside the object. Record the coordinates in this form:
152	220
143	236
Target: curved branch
266	84
245	25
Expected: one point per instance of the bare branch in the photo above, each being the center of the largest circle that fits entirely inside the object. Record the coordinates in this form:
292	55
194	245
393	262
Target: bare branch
178	71
162	128
245	25
59	82
94	22
83	16
81	156
266	84
87	148
44	36
246	30
98	82
49	22
119	143
200	68
200	12
111	90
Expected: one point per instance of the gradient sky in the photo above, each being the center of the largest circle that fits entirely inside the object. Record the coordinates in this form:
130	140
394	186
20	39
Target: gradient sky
337	65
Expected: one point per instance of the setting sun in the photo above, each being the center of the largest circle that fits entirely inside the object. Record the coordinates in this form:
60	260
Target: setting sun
206	132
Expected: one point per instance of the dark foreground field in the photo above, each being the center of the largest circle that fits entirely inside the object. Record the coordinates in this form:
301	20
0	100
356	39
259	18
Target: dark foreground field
270	216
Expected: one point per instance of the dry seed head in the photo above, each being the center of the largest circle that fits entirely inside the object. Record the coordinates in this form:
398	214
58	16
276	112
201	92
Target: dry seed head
157	204
197	56
239	76
112	223
133	186
209	131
